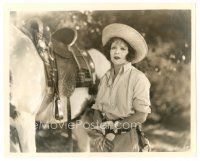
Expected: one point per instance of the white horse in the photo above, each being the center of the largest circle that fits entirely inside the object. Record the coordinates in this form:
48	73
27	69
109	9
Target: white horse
28	90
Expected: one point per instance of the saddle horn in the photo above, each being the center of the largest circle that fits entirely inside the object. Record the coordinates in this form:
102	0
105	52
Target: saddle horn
67	36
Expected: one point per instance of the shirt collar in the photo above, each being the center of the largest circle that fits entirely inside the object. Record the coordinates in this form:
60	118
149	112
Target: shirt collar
123	69
127	66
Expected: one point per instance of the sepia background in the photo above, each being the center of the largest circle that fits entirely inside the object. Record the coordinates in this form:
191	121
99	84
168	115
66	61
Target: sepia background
167	66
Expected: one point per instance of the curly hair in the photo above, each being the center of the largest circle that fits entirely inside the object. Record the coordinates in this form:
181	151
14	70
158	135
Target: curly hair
131	51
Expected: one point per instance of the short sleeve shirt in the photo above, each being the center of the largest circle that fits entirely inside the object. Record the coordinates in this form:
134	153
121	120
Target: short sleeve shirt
124	95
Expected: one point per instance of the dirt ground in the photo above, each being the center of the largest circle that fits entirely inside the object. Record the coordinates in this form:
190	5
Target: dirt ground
162	139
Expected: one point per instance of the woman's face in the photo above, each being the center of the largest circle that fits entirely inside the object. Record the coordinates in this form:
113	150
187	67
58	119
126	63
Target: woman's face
118	52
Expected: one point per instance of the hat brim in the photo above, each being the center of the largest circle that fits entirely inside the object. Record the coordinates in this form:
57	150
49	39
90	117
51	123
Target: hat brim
130	35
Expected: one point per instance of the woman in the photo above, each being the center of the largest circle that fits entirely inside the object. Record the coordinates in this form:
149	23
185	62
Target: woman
122	101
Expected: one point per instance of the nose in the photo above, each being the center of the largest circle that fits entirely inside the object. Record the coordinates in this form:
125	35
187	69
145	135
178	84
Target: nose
117	51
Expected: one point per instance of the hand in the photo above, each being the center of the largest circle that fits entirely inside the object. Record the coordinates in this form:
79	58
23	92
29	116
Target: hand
99	142
104	126
102	144
107	125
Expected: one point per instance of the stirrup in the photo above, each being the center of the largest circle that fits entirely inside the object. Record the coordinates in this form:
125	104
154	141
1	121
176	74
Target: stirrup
58	112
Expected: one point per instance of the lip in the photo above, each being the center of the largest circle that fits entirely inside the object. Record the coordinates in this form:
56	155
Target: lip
116	57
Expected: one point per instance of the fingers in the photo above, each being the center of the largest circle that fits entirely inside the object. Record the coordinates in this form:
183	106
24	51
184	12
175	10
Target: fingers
103	144
108	145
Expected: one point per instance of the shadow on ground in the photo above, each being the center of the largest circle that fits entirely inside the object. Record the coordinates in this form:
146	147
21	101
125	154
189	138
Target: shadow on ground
54	141
162	139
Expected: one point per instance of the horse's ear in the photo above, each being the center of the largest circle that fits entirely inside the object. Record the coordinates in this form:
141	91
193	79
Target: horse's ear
65	35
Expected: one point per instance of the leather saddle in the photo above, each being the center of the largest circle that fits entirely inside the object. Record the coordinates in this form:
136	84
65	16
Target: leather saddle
65	46
61	45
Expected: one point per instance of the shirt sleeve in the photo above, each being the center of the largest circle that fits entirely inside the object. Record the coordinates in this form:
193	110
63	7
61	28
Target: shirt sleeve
141	98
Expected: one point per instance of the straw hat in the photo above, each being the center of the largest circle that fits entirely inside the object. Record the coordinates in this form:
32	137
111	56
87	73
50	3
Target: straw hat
130	35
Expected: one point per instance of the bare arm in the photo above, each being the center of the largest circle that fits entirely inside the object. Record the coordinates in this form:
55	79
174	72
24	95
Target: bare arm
134	118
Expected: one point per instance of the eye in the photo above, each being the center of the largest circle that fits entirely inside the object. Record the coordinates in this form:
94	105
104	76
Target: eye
113	47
